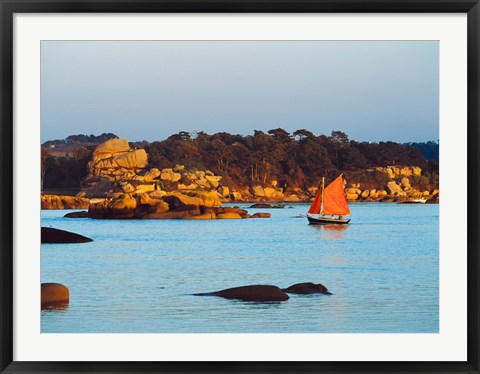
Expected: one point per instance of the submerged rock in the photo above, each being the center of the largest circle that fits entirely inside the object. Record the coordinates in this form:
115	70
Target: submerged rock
51	235
307	288
251	293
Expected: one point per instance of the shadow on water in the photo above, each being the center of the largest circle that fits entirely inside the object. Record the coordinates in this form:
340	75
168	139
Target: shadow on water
311	295
259	305
255	305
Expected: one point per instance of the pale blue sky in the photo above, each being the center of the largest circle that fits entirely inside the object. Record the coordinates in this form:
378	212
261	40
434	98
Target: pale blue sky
148	90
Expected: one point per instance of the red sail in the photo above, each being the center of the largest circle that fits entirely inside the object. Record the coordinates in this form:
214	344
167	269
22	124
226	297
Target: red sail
315	208
334	200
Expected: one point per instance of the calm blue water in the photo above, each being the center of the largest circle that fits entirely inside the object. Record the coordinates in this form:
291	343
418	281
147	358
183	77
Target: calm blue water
137	276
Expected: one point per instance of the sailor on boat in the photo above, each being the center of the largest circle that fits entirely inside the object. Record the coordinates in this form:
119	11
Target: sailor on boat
329	201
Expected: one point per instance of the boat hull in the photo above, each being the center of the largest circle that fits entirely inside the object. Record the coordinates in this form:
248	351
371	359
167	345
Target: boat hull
414	201
326	221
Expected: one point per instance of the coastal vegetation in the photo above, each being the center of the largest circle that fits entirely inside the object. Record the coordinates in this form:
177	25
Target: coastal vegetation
295	161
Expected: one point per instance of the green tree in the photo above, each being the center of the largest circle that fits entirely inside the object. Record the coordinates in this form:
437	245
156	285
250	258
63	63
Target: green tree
340	140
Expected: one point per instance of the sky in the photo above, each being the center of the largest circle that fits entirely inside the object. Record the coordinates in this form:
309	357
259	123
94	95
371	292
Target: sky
148	90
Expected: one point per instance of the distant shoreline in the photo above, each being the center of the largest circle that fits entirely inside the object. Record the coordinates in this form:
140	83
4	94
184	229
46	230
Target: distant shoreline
81	203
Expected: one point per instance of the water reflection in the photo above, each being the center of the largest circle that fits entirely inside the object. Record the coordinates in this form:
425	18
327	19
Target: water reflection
337	260
259	305
331	231
55	307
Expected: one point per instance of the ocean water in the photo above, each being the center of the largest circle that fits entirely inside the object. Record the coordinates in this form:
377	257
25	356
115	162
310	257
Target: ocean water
138	276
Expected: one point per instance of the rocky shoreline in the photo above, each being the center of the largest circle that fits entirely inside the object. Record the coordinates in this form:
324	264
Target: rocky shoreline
117	175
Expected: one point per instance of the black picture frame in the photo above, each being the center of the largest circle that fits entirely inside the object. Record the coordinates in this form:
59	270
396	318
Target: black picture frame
7	10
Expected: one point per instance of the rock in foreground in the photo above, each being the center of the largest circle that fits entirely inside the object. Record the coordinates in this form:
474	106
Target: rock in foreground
54	294
251	293
307	288
51	235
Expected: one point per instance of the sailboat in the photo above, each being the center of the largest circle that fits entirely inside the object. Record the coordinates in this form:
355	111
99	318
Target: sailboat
329	202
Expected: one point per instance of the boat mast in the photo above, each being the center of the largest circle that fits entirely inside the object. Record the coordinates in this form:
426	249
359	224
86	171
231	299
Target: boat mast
323	192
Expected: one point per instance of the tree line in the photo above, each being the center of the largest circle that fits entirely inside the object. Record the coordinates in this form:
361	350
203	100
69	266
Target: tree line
81	139
297	159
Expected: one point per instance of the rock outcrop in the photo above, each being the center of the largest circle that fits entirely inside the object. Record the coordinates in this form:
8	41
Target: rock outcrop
114	162
116	154
117	168
169	175
404	183
63	202
394	172
394	189
170	206
228	216
222	210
